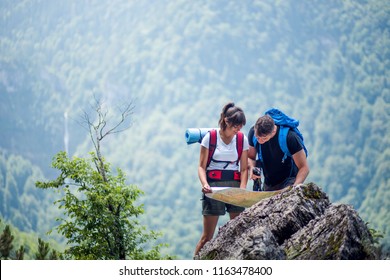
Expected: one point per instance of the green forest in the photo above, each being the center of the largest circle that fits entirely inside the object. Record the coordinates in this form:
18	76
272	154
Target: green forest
326	63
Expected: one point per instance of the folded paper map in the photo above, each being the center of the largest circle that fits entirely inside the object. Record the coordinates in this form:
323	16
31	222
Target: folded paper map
240	197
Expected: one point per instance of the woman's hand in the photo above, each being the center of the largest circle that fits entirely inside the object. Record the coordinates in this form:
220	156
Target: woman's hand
206	188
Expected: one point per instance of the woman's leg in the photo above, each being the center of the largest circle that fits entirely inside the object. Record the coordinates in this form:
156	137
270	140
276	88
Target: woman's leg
209	225
234	214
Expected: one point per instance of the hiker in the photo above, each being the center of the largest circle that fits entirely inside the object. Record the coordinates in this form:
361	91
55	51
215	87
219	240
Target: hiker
279	169
223	163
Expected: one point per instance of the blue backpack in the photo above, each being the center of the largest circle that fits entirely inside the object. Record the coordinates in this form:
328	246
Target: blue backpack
286	123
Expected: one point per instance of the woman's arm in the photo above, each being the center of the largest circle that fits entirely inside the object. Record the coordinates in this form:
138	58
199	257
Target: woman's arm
244	169
204	152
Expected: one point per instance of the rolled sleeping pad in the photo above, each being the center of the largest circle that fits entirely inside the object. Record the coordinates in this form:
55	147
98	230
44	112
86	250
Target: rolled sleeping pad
195	135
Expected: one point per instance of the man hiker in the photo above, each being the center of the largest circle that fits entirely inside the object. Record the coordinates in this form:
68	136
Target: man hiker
281	157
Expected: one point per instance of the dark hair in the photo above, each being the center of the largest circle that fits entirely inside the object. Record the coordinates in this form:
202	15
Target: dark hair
235	116
264	126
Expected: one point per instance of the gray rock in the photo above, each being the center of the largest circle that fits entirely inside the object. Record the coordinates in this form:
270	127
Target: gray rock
340	234
299	223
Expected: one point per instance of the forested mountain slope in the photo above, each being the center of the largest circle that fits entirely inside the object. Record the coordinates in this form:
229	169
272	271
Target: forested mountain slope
323	62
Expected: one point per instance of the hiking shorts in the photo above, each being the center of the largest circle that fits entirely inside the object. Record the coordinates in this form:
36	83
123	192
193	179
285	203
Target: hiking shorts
212	207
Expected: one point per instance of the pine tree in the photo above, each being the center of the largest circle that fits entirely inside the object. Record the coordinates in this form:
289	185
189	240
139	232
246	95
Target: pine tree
43	250
6	240
19	254
54	255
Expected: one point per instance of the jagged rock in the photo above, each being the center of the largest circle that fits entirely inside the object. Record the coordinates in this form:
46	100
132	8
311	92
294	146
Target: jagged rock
260	244
299	223
340	234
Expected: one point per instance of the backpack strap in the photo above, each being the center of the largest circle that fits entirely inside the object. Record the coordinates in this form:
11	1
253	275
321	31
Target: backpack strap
257	147
283	131
239	145
212	145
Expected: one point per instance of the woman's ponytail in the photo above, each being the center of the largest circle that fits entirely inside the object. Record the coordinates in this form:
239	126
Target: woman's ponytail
235	115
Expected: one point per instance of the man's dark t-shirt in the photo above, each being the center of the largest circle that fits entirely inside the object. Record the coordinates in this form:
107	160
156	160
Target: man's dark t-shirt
275	171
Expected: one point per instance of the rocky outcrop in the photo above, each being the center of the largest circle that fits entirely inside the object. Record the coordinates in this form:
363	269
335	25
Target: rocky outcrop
299	223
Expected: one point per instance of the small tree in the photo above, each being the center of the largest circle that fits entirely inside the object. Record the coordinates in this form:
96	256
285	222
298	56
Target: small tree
43	250
19	254
100	213
6	240
54	255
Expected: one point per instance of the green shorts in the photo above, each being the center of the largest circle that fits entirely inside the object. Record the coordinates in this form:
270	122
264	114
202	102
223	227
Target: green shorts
212	207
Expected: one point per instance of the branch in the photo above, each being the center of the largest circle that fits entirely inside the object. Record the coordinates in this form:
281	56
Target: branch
125	113
99	130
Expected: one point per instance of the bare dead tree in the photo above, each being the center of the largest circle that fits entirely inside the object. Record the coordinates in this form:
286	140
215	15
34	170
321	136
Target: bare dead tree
101	126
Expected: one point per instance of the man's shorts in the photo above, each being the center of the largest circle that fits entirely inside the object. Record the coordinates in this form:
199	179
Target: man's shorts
212	207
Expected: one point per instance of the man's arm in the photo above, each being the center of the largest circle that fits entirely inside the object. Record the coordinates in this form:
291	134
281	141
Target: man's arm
252	153
303	167
252	162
